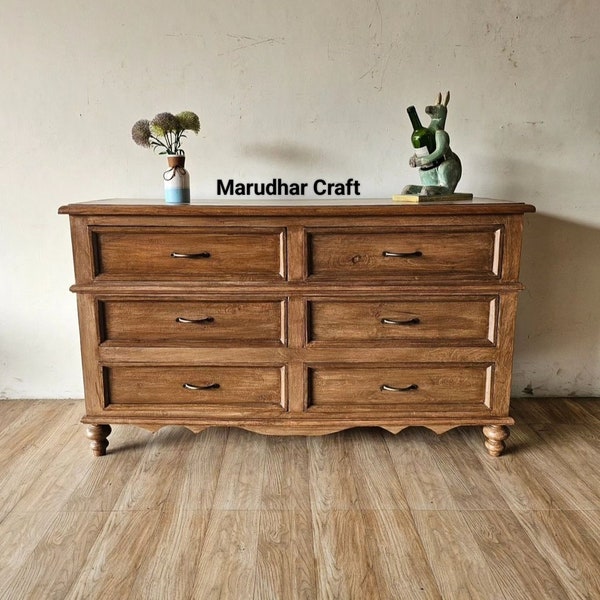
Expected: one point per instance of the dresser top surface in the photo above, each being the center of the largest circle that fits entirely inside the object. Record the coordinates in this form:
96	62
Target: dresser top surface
293	207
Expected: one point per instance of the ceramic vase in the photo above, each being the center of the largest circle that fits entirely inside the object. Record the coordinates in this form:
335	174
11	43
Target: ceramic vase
177	181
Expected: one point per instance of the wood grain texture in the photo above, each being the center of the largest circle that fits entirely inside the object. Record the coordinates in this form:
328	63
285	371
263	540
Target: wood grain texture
311	320
449	321
170	571
289	207
399	561
285	567
203	385
459	567
226	568
561	536
248	323
516	565
359	514
392	388
362	253
154	253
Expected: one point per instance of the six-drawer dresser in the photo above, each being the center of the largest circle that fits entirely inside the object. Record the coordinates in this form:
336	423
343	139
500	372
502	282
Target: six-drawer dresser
297	317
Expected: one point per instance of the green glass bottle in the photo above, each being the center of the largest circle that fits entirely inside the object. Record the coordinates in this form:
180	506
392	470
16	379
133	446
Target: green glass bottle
422	138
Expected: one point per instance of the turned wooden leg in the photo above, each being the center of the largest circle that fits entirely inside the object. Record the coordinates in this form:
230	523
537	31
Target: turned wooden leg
494	438
97	435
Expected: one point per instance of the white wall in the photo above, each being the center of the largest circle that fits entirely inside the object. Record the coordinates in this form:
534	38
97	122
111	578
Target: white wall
301	90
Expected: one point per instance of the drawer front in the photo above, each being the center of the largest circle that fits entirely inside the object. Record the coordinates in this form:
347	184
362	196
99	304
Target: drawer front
449	253
152	322
399	388
150	253
448	321
201	387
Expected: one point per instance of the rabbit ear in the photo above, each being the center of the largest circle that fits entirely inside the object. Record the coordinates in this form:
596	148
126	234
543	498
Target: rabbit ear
439	98
447	99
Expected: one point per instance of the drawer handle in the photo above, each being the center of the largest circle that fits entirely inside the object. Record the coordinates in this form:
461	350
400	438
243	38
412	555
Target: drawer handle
196	255
203	321
414	321
210	386
415	254
389	388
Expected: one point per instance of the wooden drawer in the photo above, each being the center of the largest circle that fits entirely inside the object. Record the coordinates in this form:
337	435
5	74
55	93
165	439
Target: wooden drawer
254	387
216	253
439	388
171	322
429	252
446	321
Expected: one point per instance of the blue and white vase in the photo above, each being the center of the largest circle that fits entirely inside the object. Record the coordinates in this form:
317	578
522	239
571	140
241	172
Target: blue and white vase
177	181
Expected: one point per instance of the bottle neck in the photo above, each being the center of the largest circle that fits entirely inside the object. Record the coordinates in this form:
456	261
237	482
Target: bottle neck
414	117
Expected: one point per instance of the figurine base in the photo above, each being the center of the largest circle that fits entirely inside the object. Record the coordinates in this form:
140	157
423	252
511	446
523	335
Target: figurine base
431	197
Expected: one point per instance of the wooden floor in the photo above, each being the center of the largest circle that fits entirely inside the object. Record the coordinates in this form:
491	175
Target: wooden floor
360	515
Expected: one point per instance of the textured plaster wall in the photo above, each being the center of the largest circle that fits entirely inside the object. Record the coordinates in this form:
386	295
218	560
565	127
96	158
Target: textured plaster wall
300	90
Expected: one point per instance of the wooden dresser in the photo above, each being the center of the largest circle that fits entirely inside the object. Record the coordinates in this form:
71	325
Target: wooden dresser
297	316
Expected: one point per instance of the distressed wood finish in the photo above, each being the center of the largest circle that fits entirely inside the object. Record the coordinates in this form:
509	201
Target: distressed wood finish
153	253
449	321
399	388
197	386
455	252
155	322
297	317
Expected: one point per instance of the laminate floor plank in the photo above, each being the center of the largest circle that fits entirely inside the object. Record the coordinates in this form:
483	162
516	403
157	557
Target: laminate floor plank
332	482
516	481
591	405
377	484
520	570
242	470
531	476
106	478
413	455
46	494
20	429
552	471
286	482
57	559
150	486
398	557
577	446
555	411
571	548
226	569
20	534
169	572
195	485
469	484
27	436
12	410
458	565
345	567
126	541
361	514
28	464
285	567
51	488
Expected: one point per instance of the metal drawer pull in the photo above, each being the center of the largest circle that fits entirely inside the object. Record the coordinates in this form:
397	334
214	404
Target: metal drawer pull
198	321
389	388
197	255
210	386
415	254
414	321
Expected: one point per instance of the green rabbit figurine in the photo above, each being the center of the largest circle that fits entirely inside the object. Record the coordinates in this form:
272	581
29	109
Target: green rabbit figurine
439	170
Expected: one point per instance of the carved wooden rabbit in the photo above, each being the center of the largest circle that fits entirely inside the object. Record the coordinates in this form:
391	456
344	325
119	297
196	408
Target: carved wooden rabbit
440	170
